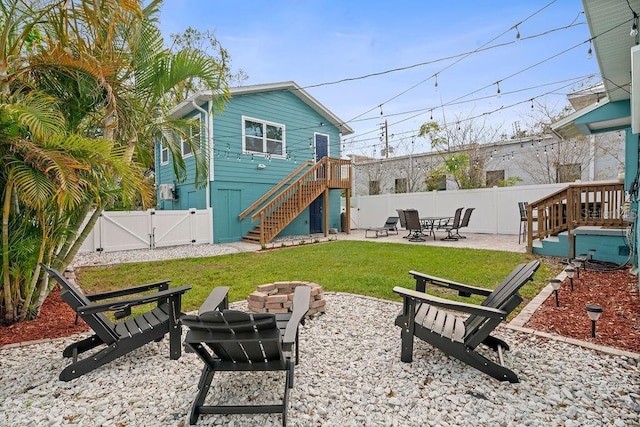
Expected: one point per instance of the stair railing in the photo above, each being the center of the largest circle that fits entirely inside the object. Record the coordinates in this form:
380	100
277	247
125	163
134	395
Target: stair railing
284	207
273	191
577	205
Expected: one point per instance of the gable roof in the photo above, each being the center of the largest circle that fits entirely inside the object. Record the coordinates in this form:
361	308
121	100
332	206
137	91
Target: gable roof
201	97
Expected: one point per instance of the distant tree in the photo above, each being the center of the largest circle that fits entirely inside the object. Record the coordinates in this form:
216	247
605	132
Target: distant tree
560	160
207	44
375	175
408	168
460	146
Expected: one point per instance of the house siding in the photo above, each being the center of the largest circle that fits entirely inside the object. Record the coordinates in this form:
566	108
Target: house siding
188	195
237	181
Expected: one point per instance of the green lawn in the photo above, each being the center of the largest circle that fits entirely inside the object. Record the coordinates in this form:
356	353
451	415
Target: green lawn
367	268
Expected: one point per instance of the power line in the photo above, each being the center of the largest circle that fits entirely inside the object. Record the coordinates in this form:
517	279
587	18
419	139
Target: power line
508	77
458	60
414	131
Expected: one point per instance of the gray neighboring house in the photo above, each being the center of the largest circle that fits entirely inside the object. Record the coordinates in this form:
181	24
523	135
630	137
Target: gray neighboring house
528	160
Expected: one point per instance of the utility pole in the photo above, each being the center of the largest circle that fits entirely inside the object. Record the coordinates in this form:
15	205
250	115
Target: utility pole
386	140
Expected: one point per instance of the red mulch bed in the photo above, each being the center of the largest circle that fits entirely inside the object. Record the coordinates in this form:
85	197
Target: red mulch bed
56	320
615	291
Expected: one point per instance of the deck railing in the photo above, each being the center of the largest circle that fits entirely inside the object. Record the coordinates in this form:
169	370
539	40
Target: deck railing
583	204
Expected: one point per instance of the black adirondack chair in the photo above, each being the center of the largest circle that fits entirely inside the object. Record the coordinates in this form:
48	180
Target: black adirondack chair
230	340
433	320
453	225
126	335
464	223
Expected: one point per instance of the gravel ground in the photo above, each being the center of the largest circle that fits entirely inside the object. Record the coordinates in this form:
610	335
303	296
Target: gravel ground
350	374
159	254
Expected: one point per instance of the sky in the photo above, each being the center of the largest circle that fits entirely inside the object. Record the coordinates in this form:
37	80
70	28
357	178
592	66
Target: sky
453	57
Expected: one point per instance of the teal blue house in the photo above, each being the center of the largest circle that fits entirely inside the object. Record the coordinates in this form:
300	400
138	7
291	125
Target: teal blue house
274	165
615	39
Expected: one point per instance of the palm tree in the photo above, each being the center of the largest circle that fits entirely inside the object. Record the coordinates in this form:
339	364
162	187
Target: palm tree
85	89
138	97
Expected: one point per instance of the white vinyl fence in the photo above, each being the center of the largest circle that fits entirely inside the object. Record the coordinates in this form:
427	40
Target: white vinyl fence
496	209
119	231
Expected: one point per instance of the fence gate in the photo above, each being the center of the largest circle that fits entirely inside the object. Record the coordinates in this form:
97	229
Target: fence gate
119	231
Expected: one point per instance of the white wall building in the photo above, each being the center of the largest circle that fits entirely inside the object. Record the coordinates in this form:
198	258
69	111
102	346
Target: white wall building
525	161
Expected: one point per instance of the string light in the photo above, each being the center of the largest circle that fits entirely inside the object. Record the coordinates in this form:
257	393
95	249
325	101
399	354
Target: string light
571	83
634	26
498	84
517	32
436	83
590	51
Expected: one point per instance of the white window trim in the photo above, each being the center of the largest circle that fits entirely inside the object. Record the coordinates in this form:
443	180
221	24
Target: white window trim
264	138
182	143
164	149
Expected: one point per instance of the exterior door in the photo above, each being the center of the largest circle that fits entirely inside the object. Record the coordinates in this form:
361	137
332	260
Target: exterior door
316	218
226	226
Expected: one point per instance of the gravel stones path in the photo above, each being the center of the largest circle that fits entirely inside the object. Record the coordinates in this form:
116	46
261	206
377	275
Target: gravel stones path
158	254
350	374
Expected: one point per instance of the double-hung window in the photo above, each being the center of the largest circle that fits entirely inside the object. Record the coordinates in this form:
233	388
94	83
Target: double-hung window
263	137
164	154
194	138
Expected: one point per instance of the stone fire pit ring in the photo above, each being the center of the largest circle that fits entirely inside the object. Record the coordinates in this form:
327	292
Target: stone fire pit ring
277	297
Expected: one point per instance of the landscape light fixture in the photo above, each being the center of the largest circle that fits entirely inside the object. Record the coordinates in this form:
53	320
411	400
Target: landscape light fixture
555	285
582	260
592	252
570	272
594	312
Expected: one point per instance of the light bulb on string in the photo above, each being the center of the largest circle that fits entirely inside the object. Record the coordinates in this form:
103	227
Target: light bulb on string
532	103
498	84
436	83
431	114
590	51
517	32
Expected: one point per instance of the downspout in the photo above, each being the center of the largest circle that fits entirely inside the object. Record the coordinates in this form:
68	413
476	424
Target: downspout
592	155
209	148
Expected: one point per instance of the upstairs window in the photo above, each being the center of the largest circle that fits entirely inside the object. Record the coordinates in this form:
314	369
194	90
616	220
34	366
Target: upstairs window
401	185
494	178
194	137
263	137
374	188
186	148
568	173
164	154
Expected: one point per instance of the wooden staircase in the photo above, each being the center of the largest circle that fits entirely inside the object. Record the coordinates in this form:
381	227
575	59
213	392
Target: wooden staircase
283	203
